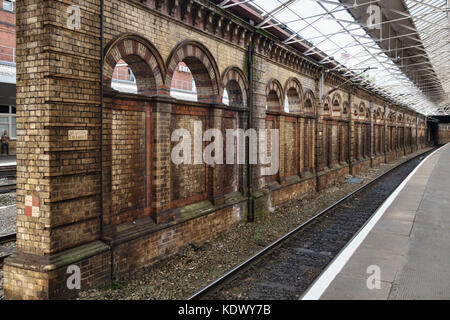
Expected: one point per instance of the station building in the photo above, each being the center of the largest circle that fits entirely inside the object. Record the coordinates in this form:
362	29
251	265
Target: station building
96	186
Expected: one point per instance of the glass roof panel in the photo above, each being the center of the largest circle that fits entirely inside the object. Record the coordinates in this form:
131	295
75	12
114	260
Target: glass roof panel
328	27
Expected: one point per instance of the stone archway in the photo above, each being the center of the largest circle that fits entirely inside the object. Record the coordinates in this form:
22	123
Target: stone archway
294	95
236	84
203	67
143	59
274	96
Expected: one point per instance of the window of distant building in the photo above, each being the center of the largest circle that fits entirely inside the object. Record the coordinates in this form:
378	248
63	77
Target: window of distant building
8	120
8	5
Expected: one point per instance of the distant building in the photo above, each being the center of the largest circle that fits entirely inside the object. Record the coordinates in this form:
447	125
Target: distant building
8	70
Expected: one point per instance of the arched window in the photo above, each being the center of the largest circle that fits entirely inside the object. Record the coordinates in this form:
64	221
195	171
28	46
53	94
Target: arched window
235	87
274	96
191	61
337	102
293	96
133	65
327	105
183	84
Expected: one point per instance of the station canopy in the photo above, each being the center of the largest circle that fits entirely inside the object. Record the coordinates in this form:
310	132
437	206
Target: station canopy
399	49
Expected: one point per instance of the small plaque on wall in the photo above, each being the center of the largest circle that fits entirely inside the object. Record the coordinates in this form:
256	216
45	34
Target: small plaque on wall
78	135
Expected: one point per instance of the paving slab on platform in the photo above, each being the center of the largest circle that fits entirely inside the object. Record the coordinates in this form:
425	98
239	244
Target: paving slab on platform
410	243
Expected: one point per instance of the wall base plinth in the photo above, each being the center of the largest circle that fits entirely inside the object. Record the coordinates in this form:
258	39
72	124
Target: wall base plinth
31	277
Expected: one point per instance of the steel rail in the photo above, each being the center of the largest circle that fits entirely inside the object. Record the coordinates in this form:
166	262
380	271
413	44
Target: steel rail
8	172
4	239
247	263
7	238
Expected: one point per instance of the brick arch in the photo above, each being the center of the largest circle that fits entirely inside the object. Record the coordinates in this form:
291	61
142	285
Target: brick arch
379	114
355	110
327	105
293	91
203	68
143	59
236	83
362	109
392	117
309	105
345	109
274	95
337	102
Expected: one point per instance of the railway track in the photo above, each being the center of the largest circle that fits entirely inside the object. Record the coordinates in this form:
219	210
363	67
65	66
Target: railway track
7	185
8	171
7	238
6	251
286	268
7	179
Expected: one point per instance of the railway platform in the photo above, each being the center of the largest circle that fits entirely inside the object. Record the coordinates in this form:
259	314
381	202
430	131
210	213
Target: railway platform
403	252
6	161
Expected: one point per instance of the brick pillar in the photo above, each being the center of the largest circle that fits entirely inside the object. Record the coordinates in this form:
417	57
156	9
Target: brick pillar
161	161
312	147
417	132
329	142
372	133
217	181
342	143
357	140
404	138
396	139
260	193
386	135
282	126
243	174
302	151
320	140
351	136
58	152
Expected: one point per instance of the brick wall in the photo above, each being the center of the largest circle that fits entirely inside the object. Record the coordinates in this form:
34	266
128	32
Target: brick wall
103	175
444	133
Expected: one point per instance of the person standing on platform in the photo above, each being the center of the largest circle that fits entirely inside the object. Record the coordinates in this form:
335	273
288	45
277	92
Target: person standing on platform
5	143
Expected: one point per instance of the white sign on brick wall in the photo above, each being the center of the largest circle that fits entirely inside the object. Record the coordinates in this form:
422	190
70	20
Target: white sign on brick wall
78	135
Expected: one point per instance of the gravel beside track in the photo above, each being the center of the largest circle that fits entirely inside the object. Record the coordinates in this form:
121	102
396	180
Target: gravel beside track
285	272
7	219
7	225
200	263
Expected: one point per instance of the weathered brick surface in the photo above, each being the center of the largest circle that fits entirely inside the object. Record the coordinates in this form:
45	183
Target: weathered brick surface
444	133
33	277
118	182
135	254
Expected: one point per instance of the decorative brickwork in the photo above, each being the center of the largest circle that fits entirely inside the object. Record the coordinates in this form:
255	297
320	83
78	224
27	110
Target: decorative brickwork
236	84
203	67
274	94
444	133
294	93
96	186
143	59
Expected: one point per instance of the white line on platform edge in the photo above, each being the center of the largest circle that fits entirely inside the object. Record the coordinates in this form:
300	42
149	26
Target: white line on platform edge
322	283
